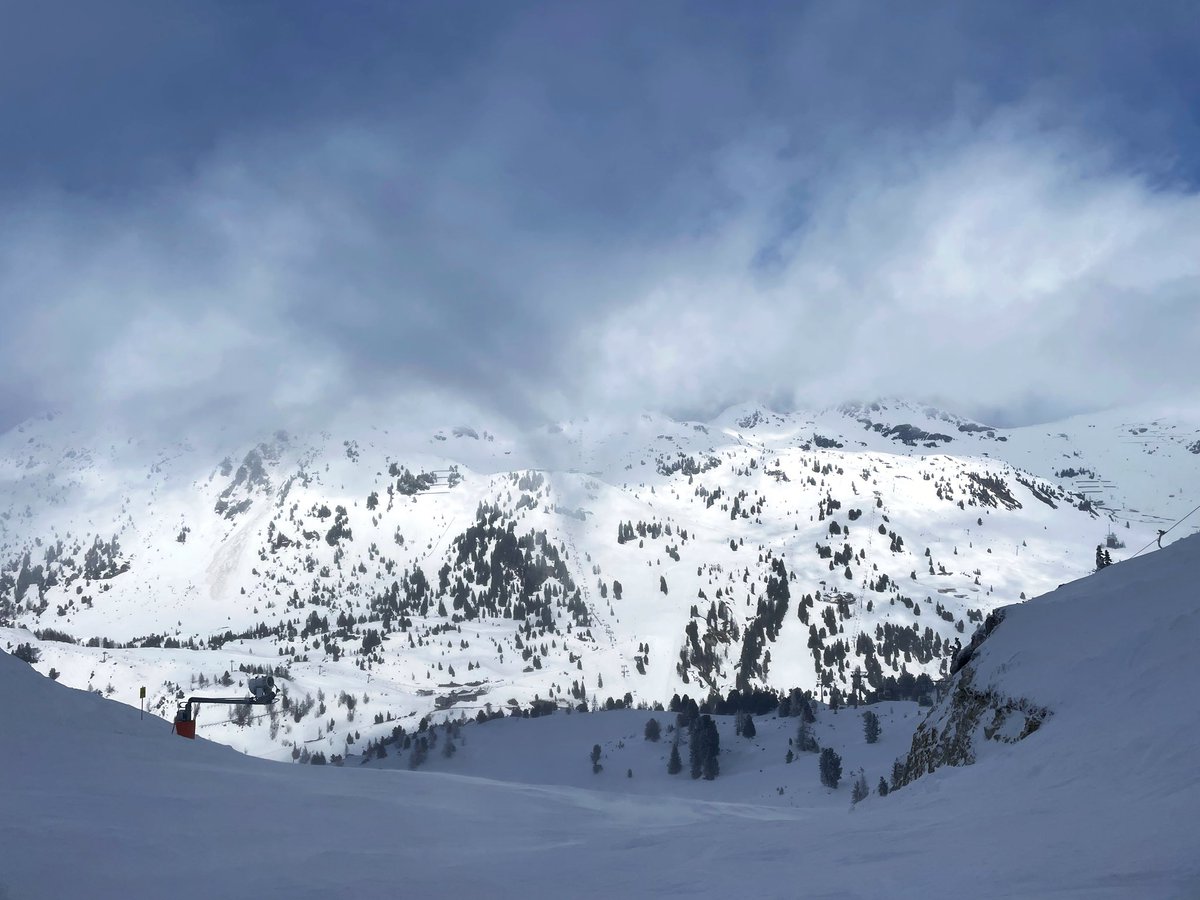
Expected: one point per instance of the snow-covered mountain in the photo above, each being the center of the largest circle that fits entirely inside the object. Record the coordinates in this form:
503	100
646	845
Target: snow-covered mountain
1101	800
384	574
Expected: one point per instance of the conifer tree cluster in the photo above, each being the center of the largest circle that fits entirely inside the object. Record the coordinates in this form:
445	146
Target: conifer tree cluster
27	653
744	725
806	742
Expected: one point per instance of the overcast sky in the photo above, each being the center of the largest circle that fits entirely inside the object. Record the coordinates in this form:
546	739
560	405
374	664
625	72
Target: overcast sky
257	212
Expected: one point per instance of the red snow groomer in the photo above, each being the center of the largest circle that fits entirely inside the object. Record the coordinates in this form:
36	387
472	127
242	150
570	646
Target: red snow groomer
262	693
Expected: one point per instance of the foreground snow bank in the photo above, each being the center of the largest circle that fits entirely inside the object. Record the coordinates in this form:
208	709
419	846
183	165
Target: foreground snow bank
1103	671
1102	801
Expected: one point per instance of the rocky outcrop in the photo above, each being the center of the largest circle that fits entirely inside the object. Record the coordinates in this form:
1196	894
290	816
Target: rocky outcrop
969	715
995	617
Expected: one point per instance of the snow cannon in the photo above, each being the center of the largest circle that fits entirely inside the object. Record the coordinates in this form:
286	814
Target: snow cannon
262	687
185	721
262	693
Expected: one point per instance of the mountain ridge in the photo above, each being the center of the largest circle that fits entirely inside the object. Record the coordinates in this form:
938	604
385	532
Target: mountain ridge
589	560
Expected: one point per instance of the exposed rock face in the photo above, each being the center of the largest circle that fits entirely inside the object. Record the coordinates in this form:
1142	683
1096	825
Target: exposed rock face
968	714
251	478
981	633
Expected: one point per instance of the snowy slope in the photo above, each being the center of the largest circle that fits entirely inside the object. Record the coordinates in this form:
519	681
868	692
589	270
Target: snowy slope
554	750
894	528
1111	661
1100	802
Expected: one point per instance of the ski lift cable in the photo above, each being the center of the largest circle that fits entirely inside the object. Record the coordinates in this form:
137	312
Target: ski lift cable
1163	534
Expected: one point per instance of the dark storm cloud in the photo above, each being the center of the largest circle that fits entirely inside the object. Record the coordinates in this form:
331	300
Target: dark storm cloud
259	212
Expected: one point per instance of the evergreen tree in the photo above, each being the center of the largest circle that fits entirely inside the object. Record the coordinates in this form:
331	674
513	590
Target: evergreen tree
689	711
703	747
871	726
795	698
831	768
790	756
420	750
596	767
712	768
860	791
748	729
653	731
806	712
805	741
883	787
674	764
897	774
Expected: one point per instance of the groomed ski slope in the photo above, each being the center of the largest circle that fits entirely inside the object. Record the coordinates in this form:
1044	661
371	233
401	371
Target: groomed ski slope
1103	801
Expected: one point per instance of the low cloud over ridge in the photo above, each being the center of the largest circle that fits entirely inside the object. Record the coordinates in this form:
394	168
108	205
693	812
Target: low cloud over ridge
555	224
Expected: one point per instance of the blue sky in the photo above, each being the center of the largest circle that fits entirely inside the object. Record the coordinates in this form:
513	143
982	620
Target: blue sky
258	210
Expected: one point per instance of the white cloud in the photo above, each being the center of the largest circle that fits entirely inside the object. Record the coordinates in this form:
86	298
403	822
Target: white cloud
988	269
989	264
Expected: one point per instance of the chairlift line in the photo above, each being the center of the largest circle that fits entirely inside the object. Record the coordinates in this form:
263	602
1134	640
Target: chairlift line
1163	533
